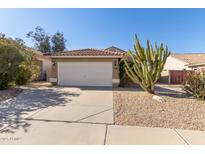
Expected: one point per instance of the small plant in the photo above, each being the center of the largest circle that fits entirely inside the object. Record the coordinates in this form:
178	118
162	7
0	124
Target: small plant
195	84
147	64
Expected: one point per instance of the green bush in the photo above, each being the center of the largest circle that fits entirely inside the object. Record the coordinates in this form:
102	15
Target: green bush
28	70
10	59
124	78
195	85
17	66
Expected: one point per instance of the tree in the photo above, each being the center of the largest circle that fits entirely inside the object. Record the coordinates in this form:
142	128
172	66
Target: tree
58	42
147	64
41	39
2	35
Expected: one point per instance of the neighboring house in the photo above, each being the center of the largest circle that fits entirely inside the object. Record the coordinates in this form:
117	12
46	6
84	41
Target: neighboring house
191	61
115	49
185	61
44	63
86	67
196	61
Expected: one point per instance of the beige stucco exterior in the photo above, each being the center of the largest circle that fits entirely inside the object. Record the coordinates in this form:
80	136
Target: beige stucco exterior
197	67
115	67
45	66
175	64
172	64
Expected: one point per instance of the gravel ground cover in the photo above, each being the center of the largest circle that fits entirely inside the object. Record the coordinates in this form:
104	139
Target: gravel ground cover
133	106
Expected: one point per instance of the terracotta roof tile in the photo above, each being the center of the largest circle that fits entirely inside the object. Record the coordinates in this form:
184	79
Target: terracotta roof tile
87	52
113	48
192	58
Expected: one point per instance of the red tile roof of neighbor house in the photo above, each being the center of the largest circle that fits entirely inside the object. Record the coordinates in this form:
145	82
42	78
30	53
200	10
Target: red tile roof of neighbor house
191	58
113	48
88	52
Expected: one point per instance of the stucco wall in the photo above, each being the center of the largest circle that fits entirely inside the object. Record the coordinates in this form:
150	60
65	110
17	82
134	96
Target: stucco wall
115	66
175	64
46	65
172	64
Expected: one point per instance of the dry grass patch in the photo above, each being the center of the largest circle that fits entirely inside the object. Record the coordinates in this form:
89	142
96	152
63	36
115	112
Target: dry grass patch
132	107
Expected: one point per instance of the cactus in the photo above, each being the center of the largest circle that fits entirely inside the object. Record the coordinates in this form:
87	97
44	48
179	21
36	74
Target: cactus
147	64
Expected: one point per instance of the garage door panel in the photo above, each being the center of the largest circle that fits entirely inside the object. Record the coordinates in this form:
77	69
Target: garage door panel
85	73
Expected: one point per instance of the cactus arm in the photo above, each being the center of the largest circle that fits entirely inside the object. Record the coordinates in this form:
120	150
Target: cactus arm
136	65
139	49
137	69
132	75
149	57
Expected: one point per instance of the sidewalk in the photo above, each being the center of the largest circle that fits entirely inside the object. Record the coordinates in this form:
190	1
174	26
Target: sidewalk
157	136
47	132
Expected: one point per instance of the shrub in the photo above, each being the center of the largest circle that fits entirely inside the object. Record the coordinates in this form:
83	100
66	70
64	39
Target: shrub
10	59
195	85
16	64
124	78
28	70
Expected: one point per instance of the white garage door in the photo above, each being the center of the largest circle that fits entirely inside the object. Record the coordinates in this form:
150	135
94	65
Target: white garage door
85	74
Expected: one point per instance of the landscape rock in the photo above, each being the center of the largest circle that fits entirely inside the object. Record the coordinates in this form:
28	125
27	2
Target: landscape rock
158	98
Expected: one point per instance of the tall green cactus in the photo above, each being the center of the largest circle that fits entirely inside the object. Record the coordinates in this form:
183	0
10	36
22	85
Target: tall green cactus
147	64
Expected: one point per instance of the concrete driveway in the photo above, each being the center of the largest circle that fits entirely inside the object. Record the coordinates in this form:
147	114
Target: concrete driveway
56	116
90	106
76	116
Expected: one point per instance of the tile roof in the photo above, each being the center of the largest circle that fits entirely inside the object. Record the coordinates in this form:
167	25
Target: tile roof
113	48
87	52
192	58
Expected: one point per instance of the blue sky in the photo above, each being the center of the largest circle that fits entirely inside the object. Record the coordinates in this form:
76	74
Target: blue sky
183	30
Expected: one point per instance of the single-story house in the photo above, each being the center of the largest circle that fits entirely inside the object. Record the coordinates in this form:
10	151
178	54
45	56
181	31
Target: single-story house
177	62
94	67
44	63
86	67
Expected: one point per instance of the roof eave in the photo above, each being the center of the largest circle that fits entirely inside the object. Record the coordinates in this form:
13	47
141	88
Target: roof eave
85	56
199	64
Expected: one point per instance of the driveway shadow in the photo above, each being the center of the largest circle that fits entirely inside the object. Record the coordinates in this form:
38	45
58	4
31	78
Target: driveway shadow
30	101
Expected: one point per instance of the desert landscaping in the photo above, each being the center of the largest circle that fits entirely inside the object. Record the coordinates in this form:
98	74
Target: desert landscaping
134	107
54	94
